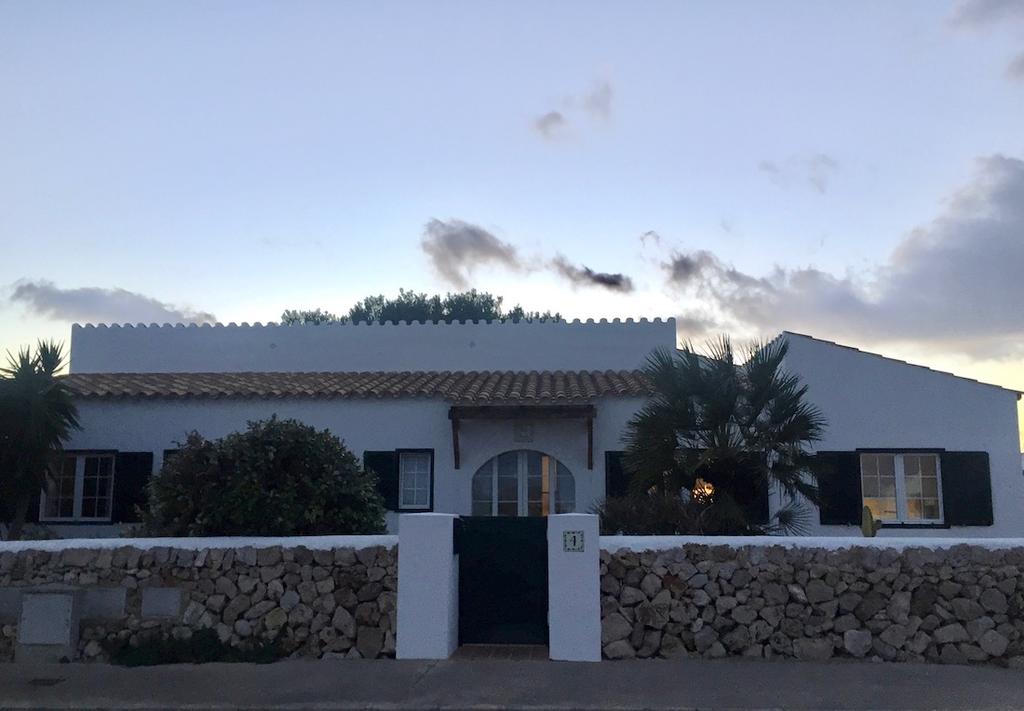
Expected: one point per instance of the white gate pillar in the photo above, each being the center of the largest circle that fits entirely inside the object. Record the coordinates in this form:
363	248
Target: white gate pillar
428	587
574	588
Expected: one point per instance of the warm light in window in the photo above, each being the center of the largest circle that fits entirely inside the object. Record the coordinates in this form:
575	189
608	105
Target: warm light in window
702	491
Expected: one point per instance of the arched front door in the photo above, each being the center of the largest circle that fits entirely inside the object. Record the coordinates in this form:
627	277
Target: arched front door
523	483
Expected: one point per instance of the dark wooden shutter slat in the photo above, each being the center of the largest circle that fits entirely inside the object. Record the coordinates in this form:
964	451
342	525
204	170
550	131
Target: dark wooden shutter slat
754	503
966	488
385	464
839	486
616	482
32	514
132	471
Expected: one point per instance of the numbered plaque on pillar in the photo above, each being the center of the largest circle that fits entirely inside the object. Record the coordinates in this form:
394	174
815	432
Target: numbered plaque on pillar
572	541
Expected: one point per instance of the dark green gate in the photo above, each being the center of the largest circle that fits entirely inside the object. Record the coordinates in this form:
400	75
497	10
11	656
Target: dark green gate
503	579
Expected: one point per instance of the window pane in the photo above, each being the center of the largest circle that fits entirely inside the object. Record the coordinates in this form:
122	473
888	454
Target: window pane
508	508
914	509
508	464
60	492
930	487
508	488
482	482
930	508
565	491
927	465
869	486
913	486
878	485
534	477
882	509
886	464
414	476
483	494
414	462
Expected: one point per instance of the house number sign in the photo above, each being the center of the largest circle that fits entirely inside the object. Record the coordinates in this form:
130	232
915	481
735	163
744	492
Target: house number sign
572	541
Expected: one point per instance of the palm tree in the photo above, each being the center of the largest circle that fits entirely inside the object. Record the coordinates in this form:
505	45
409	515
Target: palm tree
720	434
37	415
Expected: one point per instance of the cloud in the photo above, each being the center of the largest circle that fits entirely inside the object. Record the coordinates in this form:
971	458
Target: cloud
598	101
585	276
815	170
696	325
955	282
95	304
984	14
1015	69
595	103
980	13
551	125
651	235
456	248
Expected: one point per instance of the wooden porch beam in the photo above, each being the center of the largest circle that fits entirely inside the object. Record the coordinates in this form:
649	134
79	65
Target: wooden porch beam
455	441
590	443
522	412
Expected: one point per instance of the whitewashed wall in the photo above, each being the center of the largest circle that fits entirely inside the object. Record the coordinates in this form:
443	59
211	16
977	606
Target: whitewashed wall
875	402
379	347
156	425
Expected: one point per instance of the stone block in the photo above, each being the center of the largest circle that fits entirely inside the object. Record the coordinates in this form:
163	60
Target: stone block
47	626
103	603
10	604
161	602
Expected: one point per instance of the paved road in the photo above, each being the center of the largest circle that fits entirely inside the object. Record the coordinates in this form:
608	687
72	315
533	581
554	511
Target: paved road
488	684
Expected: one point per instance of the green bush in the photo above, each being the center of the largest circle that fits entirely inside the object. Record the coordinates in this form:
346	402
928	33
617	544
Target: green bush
647	515
203	647
277	478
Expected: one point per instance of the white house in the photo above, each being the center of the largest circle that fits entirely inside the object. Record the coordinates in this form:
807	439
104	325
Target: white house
511	419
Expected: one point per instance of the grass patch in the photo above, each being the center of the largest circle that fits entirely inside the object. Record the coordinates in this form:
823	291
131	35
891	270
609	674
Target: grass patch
203	647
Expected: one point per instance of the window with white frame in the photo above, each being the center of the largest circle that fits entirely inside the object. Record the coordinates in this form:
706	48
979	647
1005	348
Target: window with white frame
902	487
523	483
414	480
83	489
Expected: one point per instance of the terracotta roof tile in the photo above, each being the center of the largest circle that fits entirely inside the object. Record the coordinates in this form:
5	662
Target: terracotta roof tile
467	387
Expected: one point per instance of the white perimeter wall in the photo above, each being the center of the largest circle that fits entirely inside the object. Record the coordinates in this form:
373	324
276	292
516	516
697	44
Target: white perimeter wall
156	425
875	402
378	347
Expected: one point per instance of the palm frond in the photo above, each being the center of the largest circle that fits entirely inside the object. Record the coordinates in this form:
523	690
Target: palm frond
738	427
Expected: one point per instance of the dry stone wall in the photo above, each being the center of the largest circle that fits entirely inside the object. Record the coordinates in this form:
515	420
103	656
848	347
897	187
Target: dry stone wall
958	605
315	603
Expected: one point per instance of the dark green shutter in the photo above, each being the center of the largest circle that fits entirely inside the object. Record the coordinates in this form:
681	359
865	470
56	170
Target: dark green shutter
32	514
616	481
839	486
754	503
385	464
966	488
132	471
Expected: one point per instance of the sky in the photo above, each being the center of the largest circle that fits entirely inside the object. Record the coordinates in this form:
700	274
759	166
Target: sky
851	170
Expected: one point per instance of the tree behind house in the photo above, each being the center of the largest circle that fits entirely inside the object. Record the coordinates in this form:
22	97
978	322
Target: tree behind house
410	306
37	415
720	434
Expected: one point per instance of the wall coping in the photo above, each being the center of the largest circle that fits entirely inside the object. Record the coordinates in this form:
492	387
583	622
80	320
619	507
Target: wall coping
310	542
658	543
